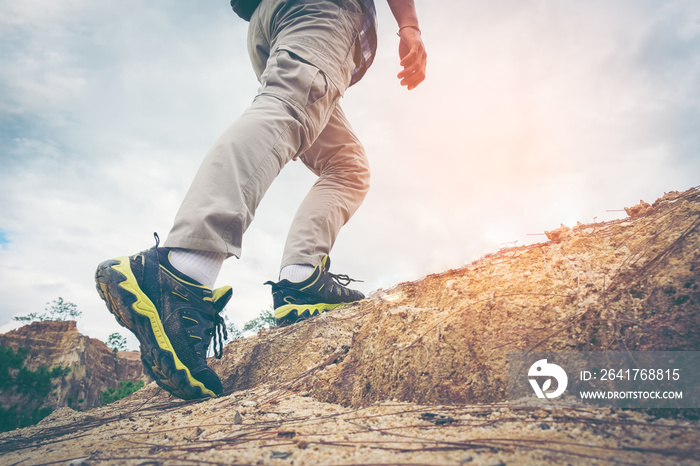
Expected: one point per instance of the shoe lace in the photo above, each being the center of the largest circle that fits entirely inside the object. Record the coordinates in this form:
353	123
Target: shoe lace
342	279
219	332
220	335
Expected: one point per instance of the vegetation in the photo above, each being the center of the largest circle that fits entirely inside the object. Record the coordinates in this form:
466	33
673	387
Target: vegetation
31	386
117	342
58	309
265	319
126	388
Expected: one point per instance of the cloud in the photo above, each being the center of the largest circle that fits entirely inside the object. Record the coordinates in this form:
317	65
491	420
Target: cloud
107	114
532	115
4	240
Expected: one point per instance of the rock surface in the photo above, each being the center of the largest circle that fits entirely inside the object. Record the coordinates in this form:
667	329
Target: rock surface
94	367
632	284
417	374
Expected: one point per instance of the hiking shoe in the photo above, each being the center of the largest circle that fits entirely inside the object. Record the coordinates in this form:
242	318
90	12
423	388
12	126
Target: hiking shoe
174	318
322	291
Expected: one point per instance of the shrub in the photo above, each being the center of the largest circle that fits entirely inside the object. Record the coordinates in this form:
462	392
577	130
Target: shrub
33	386
117	342
126	388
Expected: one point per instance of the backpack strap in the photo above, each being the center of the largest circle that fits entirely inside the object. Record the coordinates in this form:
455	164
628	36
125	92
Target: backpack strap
244	8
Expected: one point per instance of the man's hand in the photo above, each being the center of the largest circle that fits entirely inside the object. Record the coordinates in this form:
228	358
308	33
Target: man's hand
411	48
413	57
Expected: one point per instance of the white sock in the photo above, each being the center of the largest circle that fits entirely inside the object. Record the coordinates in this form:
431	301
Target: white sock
203	266
296	272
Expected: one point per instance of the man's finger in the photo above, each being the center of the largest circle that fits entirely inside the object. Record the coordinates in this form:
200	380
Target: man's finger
413	81
409	57
407	71
416	67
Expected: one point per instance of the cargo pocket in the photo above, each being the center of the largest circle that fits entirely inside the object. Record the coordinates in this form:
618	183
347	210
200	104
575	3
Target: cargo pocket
306	89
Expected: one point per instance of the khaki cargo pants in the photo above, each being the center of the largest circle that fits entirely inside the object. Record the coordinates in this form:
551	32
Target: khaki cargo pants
302	53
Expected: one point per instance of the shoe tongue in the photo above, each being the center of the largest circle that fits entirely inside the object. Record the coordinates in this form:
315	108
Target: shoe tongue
326	262
163	257
221	297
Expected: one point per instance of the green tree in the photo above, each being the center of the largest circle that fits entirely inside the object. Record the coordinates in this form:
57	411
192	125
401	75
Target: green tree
58	309
10	362
117	342
34	386
126	388
264	320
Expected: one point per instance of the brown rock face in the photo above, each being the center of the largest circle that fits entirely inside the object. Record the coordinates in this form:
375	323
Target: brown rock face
631	285
93	366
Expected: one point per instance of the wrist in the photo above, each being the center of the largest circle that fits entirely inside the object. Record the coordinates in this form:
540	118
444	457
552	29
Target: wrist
408	26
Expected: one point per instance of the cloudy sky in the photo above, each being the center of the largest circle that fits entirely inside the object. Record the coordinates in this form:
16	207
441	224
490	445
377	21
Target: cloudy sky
534	113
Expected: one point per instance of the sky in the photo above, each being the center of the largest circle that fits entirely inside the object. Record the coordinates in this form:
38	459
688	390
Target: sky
533	114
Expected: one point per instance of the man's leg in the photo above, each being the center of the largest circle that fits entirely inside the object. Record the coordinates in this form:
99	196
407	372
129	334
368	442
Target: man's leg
241	166
173	316
306	286
302	77
339	160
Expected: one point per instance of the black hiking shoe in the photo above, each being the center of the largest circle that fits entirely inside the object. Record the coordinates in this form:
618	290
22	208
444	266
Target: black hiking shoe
322	291
173	317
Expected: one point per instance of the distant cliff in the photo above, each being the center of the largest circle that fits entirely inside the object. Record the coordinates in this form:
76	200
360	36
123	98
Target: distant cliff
92	366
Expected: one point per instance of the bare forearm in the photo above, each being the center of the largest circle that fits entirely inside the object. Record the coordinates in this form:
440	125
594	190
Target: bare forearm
404	12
